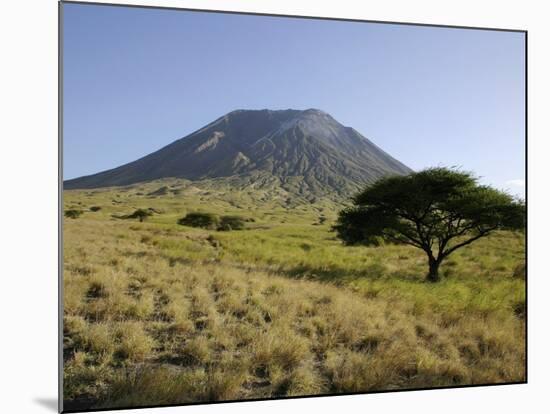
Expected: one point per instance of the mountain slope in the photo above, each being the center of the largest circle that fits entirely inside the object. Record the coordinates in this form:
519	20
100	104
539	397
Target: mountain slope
305	151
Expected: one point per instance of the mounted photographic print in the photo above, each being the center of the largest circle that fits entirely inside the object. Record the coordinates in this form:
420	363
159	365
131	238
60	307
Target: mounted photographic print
258	207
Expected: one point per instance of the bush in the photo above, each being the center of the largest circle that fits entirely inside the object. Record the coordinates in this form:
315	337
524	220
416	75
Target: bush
73	213
228	223
95	208
203	220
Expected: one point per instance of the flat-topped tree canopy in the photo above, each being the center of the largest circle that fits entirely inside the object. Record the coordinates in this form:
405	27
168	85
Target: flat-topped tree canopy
438	210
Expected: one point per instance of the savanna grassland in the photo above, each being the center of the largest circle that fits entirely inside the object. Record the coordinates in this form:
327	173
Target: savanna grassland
161	313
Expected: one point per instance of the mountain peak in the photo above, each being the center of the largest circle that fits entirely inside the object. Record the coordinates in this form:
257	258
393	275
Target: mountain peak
266	111
308	147
314	111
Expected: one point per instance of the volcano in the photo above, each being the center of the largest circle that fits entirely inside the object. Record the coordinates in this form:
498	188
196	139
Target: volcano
308	147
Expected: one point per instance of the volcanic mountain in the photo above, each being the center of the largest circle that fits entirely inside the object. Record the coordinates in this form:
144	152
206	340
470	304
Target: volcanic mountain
305	152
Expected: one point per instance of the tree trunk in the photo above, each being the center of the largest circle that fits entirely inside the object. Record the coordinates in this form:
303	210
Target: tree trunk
433	274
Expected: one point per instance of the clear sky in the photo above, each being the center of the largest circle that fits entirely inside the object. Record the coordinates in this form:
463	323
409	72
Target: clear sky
138	79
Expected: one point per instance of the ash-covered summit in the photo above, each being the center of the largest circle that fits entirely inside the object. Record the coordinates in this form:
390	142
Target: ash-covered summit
306	152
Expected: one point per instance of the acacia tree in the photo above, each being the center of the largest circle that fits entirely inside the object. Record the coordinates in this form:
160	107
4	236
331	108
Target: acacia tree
438	210
140	214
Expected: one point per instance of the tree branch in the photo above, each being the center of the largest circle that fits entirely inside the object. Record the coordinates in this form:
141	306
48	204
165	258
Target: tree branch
410	241
481	234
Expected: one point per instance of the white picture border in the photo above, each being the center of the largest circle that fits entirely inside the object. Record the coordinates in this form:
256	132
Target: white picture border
29	207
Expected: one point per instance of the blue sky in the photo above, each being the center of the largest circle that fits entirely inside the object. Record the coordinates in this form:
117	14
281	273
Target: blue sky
138	79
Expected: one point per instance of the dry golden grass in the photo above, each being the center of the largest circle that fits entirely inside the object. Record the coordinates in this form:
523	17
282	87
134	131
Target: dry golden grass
158	314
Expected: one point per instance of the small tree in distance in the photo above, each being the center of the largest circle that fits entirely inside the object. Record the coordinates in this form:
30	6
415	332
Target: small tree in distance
140	214
438	210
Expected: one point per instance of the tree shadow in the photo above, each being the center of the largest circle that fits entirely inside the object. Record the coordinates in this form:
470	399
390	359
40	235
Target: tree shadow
340	276
337	275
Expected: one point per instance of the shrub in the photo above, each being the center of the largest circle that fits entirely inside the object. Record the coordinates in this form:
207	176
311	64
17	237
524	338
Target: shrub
95	208
203	220
73	213
228	223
